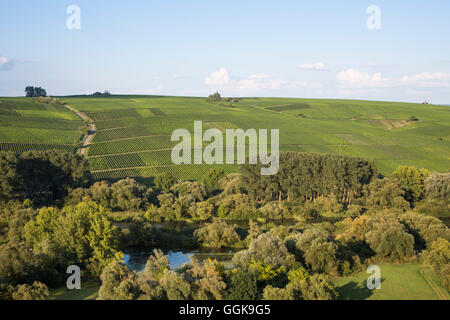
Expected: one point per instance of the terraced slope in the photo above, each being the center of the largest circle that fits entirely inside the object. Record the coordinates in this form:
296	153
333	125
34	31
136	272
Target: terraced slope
133	132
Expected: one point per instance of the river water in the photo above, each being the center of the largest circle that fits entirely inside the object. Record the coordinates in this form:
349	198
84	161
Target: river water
136	259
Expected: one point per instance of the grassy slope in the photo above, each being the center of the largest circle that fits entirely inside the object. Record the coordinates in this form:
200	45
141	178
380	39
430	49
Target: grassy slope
127	124
88	291
24	121
399	282
133	135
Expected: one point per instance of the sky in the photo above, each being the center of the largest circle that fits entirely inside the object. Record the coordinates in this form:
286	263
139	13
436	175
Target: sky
393	50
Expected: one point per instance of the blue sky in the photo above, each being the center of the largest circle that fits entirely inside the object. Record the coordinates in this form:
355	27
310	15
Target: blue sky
318	49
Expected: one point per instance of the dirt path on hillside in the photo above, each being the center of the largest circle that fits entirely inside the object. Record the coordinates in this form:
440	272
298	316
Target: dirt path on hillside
92	128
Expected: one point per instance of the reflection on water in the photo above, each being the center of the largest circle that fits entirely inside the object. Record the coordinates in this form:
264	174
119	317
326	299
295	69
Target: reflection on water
136	259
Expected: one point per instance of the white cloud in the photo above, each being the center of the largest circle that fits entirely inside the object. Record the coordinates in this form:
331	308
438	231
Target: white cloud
318	66
220	77
6	64
428	80
352	78
257	82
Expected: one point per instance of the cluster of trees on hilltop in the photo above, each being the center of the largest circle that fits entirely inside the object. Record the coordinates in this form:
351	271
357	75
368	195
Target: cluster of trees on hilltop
217	98
35	92
101	94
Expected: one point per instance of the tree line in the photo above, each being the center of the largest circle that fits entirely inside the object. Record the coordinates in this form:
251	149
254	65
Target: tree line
307	176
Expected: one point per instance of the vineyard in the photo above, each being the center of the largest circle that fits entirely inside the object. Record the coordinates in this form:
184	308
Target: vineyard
18	147
133	133
182	172
129	145
26	124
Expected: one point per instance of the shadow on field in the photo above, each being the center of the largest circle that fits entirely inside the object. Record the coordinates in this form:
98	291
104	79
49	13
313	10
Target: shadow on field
355	291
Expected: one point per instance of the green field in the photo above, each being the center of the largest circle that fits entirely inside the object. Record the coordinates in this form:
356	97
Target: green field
88	291
133	132
26	124
398	282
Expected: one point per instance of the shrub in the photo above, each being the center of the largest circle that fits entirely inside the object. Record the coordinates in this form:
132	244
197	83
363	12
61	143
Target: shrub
212	179
318	252
385	193
217	235
437	186
412	180
438	256
272	293
391	241
36	291
267	249
318	287
274	210
201	210
175	286
242	285
425	229
18	263
164	181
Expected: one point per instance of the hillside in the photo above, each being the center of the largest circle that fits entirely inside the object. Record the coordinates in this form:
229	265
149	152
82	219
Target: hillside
26	124
133	132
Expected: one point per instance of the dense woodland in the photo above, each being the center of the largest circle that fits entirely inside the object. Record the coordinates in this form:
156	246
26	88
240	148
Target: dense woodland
52	215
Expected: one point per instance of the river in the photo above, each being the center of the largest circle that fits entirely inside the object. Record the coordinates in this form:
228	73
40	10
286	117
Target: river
136	259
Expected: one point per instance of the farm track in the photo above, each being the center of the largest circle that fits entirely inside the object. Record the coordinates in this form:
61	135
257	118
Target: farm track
92	128
431	283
